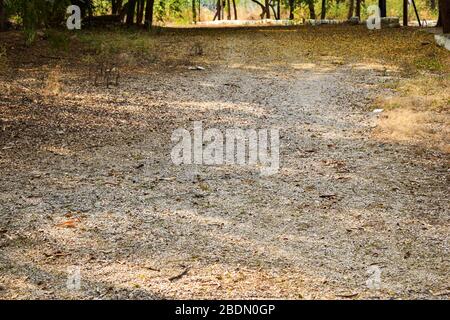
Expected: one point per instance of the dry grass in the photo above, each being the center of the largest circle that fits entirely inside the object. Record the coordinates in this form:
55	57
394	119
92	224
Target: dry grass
418	112
425	128
53	82
3	60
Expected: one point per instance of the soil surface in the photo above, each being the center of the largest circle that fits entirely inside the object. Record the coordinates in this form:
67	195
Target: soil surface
87	181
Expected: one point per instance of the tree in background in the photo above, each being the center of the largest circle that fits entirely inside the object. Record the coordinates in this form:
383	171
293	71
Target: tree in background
358	9
382	5
267	8
36	14
323	11
116	6
131	10
194	12
312	11
291	9
2	16
149	13
432	4
444	15
351	8
140	12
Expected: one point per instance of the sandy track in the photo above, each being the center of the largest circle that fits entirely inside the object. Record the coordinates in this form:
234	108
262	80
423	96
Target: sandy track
341	202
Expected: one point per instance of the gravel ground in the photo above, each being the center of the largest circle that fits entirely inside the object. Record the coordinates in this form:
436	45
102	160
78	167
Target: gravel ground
87	181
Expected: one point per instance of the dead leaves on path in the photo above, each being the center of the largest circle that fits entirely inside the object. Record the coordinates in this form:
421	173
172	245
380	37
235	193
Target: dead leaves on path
71	223
68	224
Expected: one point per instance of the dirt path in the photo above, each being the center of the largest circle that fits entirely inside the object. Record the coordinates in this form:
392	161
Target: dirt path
97	189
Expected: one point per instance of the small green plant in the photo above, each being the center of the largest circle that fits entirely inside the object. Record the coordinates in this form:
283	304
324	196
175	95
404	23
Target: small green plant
429	63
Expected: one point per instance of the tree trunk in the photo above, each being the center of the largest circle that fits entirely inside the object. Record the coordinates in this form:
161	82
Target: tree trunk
228	9
350	9
405	13
323	12
382	5
267	6
263	8
116	6
444	12
312	11
358	9
439	22
130	12
223	10
217	15
274	10
140	12
235	10
113	6
291	9
2	16
278	9
194	12
149	13
433	4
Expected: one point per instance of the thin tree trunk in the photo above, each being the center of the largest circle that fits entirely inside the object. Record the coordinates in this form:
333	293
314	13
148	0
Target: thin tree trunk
263	8
323	12
312	11
113	6
228	10
222	11
291	9
274	11
350	9
267	6
149	13
433	4
235	10
194	12
444	10
218	9
116	6
140	12
405	13
439	21
358	9
2	16
382	5
130	12
278	9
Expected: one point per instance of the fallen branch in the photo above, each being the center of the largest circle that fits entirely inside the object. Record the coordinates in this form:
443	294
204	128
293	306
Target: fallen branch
178	276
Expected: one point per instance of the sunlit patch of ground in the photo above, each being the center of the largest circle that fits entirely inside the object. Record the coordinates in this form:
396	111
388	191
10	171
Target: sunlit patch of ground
417	112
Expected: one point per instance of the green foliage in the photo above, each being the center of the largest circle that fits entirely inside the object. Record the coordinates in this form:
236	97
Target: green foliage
101	7
169	8
34	14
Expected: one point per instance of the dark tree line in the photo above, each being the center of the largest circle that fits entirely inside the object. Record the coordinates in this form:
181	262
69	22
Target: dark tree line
140	12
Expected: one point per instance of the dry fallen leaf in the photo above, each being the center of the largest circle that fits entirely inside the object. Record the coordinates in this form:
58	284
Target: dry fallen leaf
69	223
